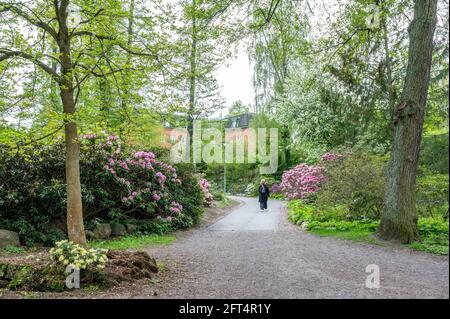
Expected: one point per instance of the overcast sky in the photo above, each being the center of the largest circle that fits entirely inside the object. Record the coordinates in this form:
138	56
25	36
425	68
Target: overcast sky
236	79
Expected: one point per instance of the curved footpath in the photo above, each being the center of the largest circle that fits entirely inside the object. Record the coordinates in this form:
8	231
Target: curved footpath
248	254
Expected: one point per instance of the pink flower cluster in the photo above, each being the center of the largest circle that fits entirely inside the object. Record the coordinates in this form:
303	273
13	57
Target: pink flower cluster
140	179
275	189
302	181
204	186
156	197
141	165
89	136
130	198
176	207
330	157
161	178
143	159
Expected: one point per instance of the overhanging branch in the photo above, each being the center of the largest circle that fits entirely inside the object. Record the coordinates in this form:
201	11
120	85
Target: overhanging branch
36	21
7	54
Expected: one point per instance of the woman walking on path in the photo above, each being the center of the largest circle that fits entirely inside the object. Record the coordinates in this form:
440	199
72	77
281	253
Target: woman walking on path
263	195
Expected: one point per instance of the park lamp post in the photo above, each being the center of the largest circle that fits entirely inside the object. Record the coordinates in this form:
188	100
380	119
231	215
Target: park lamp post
224	171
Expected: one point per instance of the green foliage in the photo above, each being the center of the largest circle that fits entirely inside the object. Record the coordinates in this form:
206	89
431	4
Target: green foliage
356	181
434	235
159	227
12	250
432	195
34	177
226	201
434	231
327	218
238	108
434	153
133	242
67	253
358	225
300	212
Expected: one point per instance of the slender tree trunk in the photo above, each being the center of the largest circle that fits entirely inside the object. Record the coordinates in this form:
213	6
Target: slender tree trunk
399	218
391	89
192	80
126	90
54	86
75	225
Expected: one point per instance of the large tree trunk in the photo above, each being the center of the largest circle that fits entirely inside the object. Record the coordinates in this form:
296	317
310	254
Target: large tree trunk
75	225
399	218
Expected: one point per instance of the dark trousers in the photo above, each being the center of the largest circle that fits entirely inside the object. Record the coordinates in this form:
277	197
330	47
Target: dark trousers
263	204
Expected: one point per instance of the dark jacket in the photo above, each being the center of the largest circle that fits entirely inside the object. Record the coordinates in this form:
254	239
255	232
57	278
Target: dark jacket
263	195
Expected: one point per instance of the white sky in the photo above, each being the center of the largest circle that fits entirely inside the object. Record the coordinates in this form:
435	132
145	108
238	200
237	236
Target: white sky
235	78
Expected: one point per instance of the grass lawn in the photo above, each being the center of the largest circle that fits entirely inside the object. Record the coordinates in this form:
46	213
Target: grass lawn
430	247
226	201
133	242
354	234
367	237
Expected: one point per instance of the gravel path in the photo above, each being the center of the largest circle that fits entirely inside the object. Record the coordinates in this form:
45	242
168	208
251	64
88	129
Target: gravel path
248	254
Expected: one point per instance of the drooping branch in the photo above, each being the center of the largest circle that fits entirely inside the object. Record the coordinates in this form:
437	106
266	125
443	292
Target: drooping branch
7	54
32	18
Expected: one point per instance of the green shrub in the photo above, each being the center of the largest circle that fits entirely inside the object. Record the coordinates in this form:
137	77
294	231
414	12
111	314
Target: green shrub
329	218
433	226
300	212
434	153
434	235
334	222
355	181
67	253
432	195
12	250
159	227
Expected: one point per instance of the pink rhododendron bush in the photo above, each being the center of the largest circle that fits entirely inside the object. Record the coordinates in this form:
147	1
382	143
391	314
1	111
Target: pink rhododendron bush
205	187
118	185
302	181
275	189
331	157
141	186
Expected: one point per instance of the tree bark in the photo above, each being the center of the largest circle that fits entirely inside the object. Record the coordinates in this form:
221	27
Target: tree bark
399	218
126	90
390	82
75	225
192	81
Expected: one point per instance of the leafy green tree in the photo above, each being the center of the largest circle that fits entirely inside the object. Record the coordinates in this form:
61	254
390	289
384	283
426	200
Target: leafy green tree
238	108
399	219
70	52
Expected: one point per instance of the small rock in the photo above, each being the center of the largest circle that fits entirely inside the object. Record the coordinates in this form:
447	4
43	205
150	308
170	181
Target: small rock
89	234
102	231
118	229
304	226
8	238
131	228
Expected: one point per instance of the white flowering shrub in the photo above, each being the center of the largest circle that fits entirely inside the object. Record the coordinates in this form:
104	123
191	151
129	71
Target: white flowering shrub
250	189
68	253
